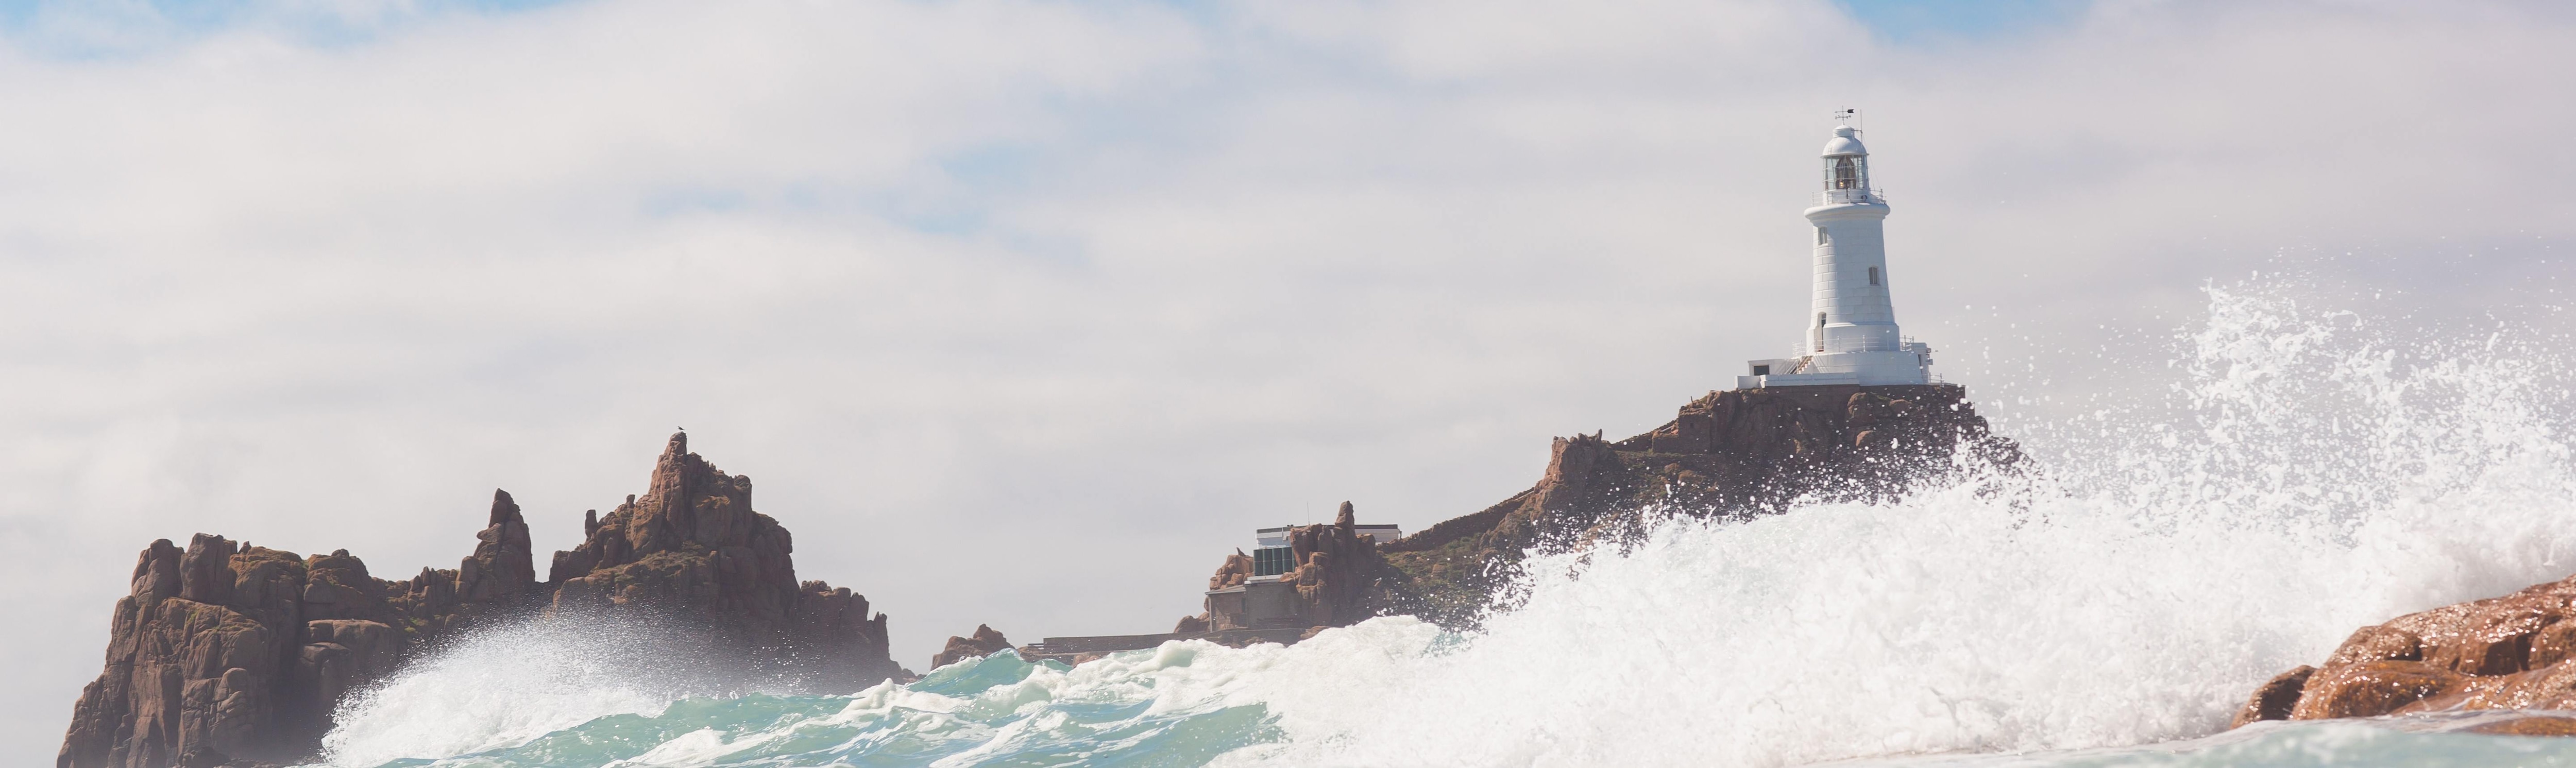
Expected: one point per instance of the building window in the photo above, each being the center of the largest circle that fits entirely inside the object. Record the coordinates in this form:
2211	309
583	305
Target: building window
1873	275
1762	370
1820	236
1820	319
1846	174
1272	561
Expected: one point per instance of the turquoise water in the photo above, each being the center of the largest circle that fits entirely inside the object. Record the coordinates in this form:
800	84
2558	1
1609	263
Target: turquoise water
2111	607
1001	711
995	711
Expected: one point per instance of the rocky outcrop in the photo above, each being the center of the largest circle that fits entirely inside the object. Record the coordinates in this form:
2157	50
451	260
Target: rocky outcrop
227	653
185	660
2508	652
985	642
1736	453
692	547
230	654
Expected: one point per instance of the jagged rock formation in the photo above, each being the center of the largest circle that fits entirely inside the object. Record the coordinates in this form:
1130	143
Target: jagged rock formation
691	546
2507	652
1732	453
984	642
230	654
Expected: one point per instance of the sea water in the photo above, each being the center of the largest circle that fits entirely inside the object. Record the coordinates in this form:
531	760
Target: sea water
2110	602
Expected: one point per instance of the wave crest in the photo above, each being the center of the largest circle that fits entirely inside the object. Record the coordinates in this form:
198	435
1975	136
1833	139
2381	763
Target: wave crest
2305	474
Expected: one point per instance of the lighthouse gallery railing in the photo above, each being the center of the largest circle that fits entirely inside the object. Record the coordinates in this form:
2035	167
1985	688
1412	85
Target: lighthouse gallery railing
1852	197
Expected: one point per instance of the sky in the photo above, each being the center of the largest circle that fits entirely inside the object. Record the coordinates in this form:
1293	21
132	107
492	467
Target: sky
1026	313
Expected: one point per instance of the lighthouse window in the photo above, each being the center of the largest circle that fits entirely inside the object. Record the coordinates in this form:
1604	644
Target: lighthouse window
1873	275
1846	174
1820	235
1820	319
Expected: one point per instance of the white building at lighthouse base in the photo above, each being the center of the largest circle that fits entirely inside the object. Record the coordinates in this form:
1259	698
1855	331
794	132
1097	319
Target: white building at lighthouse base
1910	363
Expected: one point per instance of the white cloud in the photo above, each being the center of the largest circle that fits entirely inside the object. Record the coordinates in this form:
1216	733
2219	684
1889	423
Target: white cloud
1023	312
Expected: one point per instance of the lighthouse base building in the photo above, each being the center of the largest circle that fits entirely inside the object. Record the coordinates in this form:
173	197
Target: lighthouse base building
1851	336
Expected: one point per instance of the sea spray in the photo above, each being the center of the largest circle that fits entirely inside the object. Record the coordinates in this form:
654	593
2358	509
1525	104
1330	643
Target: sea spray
2127	585
2130	592
506	684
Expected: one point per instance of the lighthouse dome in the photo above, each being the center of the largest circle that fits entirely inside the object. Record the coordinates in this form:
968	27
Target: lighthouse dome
1845	143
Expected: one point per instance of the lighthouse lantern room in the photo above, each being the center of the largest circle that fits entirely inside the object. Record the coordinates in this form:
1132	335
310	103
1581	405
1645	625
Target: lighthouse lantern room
1851	335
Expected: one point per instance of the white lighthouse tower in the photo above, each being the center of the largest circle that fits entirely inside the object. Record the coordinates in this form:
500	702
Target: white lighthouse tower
1851	335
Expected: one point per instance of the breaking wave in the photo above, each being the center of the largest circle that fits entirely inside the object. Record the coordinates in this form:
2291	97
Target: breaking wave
2109	605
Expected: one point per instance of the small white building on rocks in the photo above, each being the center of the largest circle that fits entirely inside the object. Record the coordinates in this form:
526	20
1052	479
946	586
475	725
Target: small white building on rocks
1851	329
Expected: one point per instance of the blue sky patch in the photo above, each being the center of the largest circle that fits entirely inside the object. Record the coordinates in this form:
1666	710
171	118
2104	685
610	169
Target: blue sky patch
86	30
1920	21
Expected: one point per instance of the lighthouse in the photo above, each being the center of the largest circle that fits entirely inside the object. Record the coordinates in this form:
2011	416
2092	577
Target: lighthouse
1851	335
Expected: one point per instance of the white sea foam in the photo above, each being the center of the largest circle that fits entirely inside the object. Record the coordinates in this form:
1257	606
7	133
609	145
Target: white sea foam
2147	567
504	686
2131	592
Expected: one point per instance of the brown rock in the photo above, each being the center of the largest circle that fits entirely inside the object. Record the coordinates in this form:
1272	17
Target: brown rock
693	547
1236	568
2552	687
340	655
2274	699
2536	725
189	681
2494	639
503	566
2500	653
2378	644
1733	454
1690	432
2552	644
984	642
2372	688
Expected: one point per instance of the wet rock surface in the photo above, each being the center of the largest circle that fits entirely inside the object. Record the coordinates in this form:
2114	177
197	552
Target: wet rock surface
2503	653
225	653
